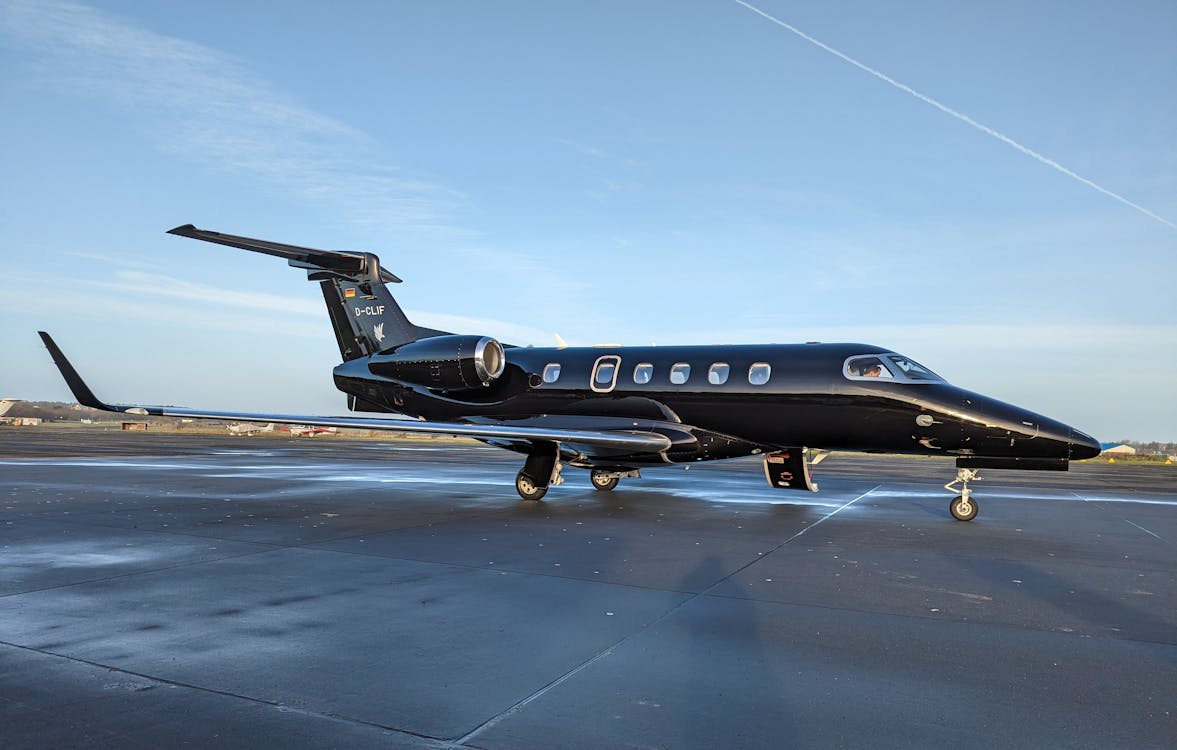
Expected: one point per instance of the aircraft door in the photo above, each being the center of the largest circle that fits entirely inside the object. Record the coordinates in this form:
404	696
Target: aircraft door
604	376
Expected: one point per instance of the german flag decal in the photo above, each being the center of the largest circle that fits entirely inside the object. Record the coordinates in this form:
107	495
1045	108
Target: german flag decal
349	293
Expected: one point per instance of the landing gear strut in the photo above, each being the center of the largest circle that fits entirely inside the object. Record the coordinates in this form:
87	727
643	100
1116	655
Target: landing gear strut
963	507
541	471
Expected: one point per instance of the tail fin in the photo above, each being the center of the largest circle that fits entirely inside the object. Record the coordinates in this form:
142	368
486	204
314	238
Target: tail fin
365	317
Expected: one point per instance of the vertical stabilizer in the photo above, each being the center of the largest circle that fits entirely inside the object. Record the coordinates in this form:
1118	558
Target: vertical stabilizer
365	316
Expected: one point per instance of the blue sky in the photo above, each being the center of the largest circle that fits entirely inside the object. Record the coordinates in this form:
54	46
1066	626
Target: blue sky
628	172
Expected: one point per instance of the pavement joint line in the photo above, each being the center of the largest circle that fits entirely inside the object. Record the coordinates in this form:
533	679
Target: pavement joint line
1146	531
1103	505
228	694
608	651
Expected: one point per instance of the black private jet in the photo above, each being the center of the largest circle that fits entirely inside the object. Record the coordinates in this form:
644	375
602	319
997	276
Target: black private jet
613	410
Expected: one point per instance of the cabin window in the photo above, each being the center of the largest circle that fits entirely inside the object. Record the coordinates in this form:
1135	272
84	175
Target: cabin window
643	372
551	372
759	373
867	367
605	373
679	373
718	372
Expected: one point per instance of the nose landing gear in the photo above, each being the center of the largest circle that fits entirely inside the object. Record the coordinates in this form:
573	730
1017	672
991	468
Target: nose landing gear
963	507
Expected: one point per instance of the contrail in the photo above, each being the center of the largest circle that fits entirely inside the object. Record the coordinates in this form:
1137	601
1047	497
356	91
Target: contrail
958	115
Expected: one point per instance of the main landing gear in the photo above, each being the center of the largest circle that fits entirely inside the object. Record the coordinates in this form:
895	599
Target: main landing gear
604	480
543	469
963	507
528	488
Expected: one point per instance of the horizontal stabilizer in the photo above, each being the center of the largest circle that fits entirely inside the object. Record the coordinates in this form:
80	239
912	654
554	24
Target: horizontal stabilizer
356	265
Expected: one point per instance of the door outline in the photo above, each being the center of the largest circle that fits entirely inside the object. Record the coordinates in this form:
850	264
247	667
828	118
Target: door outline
613	359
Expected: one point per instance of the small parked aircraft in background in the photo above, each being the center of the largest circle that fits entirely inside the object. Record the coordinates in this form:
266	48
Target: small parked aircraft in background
249	428
613	410
308	430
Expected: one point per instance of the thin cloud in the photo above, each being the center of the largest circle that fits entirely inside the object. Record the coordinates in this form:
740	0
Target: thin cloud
204	105
139	284
109	259
595	152
958	115
140	295
584	148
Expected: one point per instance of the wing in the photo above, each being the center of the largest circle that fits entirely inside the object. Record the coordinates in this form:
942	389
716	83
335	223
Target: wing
596	443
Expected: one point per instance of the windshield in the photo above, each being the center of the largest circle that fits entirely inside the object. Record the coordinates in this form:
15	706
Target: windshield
912	369
893	367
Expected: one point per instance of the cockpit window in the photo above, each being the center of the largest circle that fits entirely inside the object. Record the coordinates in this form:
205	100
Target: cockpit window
551	372
912	369
890	367
867	367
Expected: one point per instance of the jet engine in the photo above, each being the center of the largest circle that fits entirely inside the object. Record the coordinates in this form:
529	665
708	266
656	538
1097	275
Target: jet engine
448	363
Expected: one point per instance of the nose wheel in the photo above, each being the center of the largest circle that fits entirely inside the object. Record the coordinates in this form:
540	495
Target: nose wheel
963	507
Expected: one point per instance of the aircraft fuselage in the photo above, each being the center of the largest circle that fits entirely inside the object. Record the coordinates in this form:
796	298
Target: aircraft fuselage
738	400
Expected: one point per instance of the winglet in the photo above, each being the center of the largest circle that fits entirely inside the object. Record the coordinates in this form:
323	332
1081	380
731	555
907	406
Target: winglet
81	391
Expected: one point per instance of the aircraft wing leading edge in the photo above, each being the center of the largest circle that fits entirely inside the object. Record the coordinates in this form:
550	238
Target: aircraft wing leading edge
593	443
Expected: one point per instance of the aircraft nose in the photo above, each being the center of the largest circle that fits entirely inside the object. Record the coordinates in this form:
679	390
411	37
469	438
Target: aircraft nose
1083	446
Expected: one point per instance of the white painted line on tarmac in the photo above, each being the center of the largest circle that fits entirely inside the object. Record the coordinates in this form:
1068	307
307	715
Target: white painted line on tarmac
1146	531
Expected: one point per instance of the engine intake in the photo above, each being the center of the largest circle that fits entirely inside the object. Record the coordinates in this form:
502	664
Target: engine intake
443	362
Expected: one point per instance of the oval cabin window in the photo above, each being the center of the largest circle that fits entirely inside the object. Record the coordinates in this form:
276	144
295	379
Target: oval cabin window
759	373
718	372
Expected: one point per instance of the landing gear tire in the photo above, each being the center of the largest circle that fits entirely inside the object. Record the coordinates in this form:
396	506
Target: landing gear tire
527	488
963	508
602	481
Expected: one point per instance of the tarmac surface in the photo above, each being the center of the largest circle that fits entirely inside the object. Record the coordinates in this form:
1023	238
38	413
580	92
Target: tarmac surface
166	590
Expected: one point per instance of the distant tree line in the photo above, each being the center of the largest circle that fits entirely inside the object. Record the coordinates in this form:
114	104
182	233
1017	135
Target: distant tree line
1152	448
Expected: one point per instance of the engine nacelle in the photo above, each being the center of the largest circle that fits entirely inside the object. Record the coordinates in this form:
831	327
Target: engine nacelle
444	362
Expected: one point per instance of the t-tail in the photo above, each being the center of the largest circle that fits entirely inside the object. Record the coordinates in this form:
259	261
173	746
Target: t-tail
365	317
